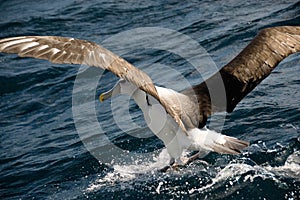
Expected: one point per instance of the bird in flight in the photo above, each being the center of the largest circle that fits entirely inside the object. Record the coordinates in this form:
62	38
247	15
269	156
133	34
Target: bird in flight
177	118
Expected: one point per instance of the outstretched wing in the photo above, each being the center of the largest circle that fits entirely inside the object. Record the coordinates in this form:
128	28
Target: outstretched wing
74	51
241	75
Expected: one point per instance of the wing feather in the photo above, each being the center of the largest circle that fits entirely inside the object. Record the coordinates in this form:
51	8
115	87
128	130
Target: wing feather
242	74
65	50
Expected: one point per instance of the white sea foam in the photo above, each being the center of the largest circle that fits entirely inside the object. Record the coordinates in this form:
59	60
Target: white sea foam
291	167
124	173
235	174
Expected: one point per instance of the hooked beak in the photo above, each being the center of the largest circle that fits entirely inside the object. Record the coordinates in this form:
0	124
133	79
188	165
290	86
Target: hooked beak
105	95
110	93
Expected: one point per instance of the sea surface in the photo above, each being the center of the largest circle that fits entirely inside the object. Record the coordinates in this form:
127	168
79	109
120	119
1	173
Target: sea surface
57	141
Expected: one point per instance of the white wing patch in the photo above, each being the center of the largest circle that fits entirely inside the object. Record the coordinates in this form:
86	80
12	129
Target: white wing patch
40	48
14	42
55	50
29	45
102	55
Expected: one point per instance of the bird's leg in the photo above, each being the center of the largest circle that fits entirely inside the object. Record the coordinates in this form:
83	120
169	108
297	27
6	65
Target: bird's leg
190	159
172	161
171	164
195	156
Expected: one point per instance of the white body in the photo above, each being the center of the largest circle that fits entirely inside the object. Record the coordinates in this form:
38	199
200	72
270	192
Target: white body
166	129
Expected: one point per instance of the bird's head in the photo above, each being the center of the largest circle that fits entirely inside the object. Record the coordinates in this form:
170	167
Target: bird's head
121	87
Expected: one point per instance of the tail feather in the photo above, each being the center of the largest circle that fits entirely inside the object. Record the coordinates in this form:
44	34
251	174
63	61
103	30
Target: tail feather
213	141
230	146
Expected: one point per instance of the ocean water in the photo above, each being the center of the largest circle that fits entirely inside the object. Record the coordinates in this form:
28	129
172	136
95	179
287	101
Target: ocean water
58	141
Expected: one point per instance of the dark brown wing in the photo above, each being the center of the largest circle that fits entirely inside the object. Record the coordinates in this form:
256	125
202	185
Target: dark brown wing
246	70
74	51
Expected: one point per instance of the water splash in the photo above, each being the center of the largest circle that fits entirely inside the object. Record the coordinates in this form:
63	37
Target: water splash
125	173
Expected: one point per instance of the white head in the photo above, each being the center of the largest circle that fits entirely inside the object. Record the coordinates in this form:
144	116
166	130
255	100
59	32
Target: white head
121	87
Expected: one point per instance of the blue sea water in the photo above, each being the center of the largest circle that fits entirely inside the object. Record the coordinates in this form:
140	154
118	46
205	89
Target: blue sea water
58	141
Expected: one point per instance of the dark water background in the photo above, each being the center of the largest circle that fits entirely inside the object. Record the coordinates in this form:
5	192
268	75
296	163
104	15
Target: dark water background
42	155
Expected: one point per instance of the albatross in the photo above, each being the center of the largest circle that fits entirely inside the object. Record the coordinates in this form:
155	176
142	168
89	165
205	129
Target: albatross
177	118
